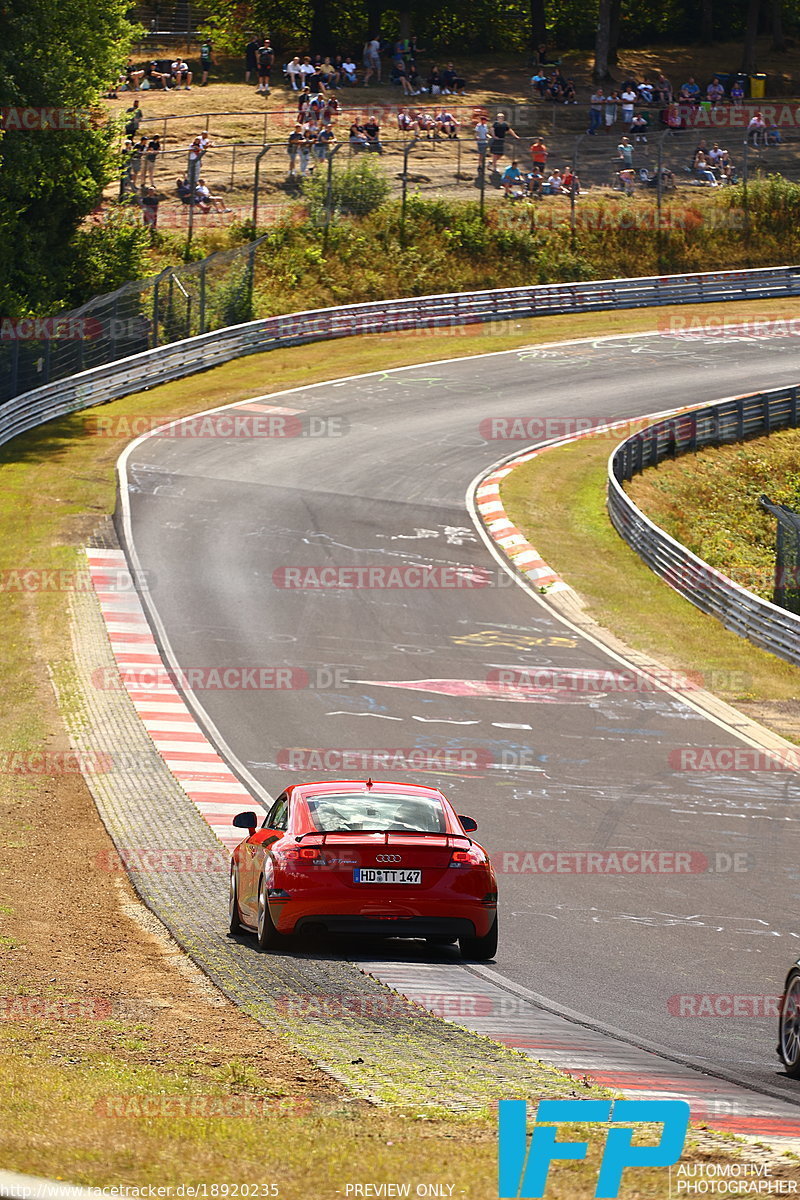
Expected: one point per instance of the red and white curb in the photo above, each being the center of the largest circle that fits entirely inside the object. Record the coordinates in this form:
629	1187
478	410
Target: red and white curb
511	540
204	776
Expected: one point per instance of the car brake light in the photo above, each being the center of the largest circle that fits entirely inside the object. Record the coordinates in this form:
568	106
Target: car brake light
294	855
460	856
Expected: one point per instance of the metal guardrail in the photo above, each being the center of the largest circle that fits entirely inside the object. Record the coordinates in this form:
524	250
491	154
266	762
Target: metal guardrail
761	622
163	364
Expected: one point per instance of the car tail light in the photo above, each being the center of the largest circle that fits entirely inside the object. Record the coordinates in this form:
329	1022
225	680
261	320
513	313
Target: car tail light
466	858
307	852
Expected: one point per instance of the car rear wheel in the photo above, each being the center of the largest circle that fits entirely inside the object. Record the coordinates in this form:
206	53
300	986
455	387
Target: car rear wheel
268	936
789	1027
234	923
480	948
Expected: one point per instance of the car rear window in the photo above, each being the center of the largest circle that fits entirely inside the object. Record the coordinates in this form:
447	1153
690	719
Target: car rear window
342	812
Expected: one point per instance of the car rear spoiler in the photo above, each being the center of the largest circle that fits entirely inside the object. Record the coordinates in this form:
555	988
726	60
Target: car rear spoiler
387	833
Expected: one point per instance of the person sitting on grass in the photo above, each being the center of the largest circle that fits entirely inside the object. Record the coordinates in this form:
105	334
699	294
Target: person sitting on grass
570	182
204	197
181	75
357	138
511	178
349	71
452	83
533	182
556	183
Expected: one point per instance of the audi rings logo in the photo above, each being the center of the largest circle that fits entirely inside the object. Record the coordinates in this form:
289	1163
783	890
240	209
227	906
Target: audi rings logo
388	858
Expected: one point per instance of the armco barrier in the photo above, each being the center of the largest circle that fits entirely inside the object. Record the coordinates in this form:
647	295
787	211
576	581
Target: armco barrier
739	610
174	361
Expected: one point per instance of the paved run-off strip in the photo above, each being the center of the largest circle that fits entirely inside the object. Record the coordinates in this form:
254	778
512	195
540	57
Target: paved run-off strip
171	807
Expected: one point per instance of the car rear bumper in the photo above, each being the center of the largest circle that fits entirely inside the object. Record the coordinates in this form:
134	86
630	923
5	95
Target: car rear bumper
413	927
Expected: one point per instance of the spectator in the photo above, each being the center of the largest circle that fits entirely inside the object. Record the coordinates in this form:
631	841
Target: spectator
184	191
328	73
569	93
196	153
132	77
511	178
500	131
349	71
646	91
628	98
639	127
326	140
533	183
690	89
737	92
357	137
611	102
452	83
203	198
251	57
207	60
715	92
413	78
596	104
772	135
293	145
662	91
702	169
672	117
134	119
570	182
149	204
308	73
435	82
181	74
446	122
372	60
372	130
154	78
539	154
539	82
482	138
151	155
556	183
757	130
294	73
266	59
137	159
626	179
625	152
401	76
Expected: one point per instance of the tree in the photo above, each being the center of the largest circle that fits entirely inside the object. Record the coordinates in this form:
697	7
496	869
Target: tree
602	47
54	59
707	22
538	23
750	35
778	39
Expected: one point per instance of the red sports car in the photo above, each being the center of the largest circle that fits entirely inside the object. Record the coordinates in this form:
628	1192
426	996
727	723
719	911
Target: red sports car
387	859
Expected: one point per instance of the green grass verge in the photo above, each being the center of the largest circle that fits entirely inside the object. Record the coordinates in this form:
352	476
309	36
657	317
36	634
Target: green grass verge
709	502
558	500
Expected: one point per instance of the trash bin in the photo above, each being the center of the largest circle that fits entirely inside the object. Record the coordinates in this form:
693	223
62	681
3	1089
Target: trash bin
758	87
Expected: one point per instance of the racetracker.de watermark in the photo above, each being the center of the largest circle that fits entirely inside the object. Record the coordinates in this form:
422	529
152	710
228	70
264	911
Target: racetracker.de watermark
171	861
594	681
620	862
724	1004
548	429
47	579
734	758
411	576
85	1008
233	1105
227	425
448	1005
387	758
158	678
29	119
766	326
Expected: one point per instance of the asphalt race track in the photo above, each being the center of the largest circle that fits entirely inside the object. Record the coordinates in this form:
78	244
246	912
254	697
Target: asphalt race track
218	522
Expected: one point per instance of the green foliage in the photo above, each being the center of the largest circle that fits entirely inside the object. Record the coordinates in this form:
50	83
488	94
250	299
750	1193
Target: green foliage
106	256
709	501
356	191
53	55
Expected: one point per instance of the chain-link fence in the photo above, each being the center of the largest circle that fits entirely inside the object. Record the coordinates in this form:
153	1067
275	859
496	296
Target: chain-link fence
178	303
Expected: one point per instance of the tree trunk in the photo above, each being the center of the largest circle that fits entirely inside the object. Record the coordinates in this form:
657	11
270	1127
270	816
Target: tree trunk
707	22
778	39
405	24
320	35
374	14
751	33
538	24
613	37
602	44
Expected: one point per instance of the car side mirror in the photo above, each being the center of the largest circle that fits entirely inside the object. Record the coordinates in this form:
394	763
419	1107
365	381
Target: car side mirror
468	824
246	820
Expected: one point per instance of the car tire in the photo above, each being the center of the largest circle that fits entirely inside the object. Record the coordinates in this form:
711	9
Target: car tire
268	936
234	921
480	949
789	1026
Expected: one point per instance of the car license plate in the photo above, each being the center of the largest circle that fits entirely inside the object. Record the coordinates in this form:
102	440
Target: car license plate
381	875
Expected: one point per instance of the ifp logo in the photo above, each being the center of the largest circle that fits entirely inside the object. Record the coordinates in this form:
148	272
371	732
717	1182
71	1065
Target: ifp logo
523	1168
